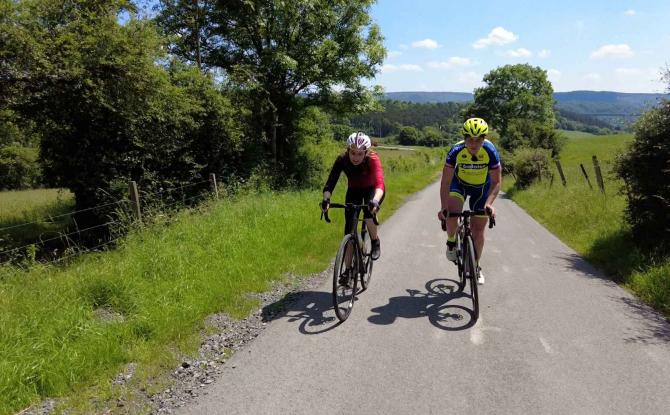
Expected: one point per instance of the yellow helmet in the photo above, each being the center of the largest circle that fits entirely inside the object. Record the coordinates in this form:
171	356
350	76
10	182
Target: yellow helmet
475	127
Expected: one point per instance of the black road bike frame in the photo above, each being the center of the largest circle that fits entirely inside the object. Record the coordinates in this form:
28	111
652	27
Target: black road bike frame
466	254
347	275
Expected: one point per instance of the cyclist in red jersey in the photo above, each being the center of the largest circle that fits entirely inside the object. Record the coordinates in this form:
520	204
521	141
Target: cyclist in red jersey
364	172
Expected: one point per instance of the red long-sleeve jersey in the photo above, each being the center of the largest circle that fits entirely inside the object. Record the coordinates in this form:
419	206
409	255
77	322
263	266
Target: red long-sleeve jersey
366	175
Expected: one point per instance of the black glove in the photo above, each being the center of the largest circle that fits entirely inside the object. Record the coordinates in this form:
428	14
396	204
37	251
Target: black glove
325	203
372	204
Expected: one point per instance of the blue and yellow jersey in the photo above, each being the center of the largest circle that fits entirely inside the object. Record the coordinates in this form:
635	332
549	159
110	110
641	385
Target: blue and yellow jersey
473	170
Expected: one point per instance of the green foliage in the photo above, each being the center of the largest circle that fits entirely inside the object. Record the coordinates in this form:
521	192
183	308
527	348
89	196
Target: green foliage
432	136
317	148
645	169
410	136
189	27
19	168
522	132
341	132
444	116
108	113
529	165
283	55
514	92
574	121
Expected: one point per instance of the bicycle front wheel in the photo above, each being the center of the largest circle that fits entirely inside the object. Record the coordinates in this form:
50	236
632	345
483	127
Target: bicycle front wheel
366	268
460	261
470	267
344	278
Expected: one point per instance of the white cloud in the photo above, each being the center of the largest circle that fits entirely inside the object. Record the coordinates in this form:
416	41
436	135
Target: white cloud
394	54
519	53
629	12
425	44
387	68
498	36
451	63
628	71
613	51
592	77
470	80
554	73
544	53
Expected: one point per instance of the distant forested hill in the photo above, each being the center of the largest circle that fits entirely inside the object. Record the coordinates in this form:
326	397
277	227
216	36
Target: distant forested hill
581	110
421	97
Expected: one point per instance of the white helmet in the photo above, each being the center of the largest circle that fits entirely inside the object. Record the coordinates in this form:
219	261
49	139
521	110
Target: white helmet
359	141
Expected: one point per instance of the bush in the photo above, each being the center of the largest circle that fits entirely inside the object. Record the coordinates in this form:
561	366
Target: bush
410	136
19	168
341	132
526	133
645	169
529	165
316	150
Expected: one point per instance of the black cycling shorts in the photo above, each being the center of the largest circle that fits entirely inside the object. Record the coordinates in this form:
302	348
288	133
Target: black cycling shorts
358	196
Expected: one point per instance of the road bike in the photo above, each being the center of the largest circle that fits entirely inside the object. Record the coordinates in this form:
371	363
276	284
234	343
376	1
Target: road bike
353	262
466	255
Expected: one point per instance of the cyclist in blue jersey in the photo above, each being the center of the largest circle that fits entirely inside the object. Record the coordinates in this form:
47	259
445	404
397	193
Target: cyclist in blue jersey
472	169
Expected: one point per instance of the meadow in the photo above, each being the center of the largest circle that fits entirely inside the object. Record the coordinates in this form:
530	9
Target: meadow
27	215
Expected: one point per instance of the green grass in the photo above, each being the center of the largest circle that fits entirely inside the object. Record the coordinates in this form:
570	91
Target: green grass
159	286
35	207
593	223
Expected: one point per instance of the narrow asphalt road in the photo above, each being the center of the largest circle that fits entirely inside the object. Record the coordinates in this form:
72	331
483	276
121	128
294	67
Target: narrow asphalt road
554	336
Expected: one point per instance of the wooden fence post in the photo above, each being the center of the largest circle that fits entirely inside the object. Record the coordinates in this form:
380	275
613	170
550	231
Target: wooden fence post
212	182
586	175
599	176
560	171
135	200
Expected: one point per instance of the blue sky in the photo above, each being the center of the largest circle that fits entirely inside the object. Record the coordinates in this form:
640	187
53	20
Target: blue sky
445	45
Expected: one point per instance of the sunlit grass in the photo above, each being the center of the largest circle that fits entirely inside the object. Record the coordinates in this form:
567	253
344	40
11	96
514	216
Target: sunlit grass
66	331
36	208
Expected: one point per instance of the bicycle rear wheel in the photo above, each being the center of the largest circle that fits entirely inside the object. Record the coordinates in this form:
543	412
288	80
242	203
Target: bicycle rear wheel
366	269
470	267
344	279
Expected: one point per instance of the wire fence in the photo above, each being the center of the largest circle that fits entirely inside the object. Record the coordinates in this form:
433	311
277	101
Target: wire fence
72	241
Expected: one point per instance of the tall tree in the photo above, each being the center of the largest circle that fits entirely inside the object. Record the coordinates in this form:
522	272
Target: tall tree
514	92
108	112
287	54
189	25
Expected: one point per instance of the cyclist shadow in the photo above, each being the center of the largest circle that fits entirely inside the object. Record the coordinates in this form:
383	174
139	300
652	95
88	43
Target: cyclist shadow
434	304
313	309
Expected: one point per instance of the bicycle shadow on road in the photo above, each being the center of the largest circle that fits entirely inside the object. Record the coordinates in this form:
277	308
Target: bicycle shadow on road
437	303
313	309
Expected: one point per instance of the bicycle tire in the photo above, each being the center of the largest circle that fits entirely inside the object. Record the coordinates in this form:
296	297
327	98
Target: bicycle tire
366	269
460	261
471	265
344	295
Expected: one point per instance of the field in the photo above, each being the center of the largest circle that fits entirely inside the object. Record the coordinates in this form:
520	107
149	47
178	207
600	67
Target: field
27	215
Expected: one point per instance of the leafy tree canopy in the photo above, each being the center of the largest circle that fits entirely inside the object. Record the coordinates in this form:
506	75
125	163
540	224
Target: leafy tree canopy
514	92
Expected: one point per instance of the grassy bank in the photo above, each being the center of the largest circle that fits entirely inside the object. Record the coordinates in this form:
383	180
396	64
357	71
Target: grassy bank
592	223
66	331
